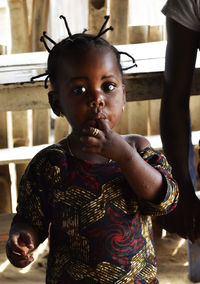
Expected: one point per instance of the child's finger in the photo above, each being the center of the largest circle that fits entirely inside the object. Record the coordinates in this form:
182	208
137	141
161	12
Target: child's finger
103	124
27	240
18	256
13	251
20	260
91	132
21	243
13	244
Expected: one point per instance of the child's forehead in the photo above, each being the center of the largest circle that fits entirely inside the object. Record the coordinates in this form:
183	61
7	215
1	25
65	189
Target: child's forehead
95	62
88	52
92	54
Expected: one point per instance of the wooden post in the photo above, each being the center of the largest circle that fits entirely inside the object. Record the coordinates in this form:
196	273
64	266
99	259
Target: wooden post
39	22
96	12
62	128
194	111
155	33
20	43
41	125
119	20
154	117
132	120
5	193
5	222
137	34
19	26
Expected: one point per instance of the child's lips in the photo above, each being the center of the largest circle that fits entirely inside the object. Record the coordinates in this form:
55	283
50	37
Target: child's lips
99	115
94	119
92	123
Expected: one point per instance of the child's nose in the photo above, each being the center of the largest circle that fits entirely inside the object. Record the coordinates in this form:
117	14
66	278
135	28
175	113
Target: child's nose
98	101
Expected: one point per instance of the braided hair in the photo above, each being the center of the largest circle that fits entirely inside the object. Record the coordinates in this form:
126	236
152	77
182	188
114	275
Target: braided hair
76	42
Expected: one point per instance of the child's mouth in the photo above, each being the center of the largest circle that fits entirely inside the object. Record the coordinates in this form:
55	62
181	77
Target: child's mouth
93	123
94	120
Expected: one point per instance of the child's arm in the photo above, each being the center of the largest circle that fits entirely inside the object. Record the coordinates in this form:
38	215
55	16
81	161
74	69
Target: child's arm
146	181
23	239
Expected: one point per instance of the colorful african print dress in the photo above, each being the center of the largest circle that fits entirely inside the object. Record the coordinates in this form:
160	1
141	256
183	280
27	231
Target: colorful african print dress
100	231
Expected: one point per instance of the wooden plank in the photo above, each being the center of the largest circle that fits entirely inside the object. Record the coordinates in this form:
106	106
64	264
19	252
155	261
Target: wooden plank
19	26
25	59
134	119
154	117
61	129
25	154
19	154
39	21
20	43
5	222
137	34
96	12
139	87
119	20
22	97
3	130
149	86
153	120
5	193
19	68
17	93
41	126
40	118
155	33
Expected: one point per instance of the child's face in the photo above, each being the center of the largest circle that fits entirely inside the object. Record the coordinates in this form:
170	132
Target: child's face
91	88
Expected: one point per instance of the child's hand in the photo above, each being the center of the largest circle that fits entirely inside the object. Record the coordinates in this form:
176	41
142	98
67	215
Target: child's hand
102	141
18	247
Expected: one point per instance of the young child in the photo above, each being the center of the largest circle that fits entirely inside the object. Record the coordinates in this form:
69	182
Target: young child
94	191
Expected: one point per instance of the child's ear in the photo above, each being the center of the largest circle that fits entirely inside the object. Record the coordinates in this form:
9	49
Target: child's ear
54	103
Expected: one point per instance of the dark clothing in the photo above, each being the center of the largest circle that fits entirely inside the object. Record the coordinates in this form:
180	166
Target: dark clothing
100	231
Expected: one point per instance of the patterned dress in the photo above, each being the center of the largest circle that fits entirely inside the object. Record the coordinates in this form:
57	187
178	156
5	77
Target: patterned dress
100	231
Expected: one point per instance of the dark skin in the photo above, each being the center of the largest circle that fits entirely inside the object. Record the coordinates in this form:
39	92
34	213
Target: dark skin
91	95
23	239
182	47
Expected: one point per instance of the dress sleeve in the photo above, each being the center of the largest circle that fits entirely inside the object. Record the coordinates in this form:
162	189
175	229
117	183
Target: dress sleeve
32	205
157	160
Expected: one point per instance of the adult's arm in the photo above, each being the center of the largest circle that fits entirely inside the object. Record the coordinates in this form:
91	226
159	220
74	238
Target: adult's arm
181	54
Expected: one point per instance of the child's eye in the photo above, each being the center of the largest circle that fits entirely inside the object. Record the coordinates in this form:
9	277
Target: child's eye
109	87
79	90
